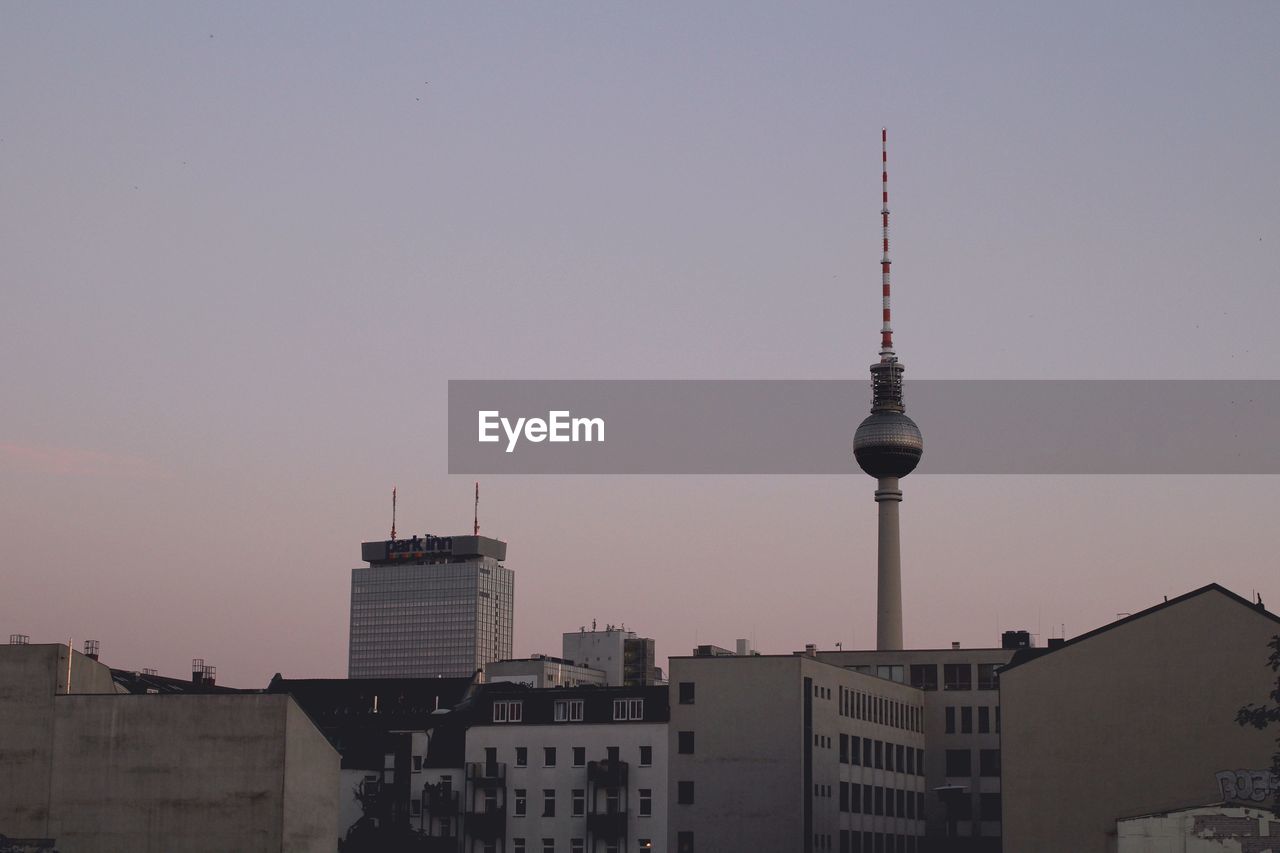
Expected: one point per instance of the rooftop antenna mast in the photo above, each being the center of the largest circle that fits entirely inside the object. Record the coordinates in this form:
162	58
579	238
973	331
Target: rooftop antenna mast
475	530
886	330
393	513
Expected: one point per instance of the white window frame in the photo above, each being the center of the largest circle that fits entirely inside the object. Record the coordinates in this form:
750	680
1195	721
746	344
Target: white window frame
635	709
645	797
575	710
561	711
499	712
619	709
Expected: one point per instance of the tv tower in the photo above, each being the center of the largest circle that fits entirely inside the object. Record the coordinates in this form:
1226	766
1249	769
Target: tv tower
888	446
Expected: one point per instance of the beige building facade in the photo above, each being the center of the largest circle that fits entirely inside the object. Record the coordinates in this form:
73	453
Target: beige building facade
1135	718
791	753
962	721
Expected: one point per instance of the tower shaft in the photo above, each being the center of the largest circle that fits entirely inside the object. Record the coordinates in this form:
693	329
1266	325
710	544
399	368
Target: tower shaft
888	567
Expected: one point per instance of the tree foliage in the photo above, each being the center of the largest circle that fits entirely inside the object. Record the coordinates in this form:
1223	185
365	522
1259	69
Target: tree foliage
1261	716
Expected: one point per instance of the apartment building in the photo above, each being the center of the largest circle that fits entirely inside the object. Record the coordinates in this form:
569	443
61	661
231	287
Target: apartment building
569	770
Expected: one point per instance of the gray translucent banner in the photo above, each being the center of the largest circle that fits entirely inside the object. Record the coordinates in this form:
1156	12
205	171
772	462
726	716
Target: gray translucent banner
806	426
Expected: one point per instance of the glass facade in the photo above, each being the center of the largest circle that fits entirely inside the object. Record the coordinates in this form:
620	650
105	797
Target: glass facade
424	620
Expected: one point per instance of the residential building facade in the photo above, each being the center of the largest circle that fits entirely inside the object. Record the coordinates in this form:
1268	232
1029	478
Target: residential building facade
566	770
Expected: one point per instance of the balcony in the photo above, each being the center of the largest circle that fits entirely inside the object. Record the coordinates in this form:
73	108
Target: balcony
487	775
607	824
487	825
439	844
607	774
440	801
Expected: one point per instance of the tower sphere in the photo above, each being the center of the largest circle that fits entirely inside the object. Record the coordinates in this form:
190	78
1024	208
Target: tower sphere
888	444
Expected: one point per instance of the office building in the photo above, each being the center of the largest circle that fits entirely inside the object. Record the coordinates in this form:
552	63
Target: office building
962	720
625	658
789	752
430	607
540	671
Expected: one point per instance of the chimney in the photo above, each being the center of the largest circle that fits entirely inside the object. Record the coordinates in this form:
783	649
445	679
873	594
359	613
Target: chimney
91	649
810	650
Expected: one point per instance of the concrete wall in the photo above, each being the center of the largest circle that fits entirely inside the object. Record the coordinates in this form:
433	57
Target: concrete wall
188	772
311	791
30	678
1134	720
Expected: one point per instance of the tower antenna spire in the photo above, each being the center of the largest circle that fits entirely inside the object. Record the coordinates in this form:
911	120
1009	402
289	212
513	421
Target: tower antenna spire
475	531
886	330
393	513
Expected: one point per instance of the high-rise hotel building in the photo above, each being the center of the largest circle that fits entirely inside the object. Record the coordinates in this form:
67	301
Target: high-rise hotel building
430	606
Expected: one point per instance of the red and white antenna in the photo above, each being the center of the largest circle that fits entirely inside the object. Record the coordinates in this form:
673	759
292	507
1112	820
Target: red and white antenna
886	331
393	513
475	530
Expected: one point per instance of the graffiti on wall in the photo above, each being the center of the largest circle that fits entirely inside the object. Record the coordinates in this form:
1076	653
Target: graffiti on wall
1247	786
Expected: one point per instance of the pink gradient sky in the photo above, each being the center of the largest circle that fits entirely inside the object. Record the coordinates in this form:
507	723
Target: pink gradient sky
243	249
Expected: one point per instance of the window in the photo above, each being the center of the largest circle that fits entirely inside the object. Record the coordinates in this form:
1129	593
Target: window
844	748
517	845
684	743
646	756
961	809
522	756
548	802
984	719
924	676
888	756
548	756
855	798
645	844
548	845
899	796
490	847
619	709
919	762
957	676
561	712
893	672
635	709
951	719
415	807
988	762
579	802
966	720
879	800
684	842
577	845
844	796
686	698
989	806
911	761
417	764
575	710
505	711
646	802
879	751
579	756
866	752
855	749
959	762
866	799
898	751
988	677
521	802
684	793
